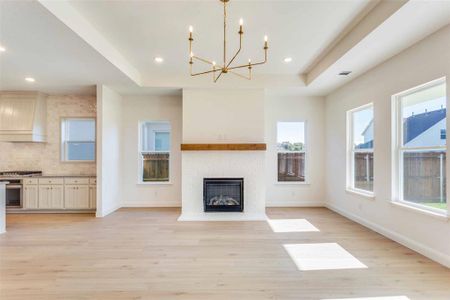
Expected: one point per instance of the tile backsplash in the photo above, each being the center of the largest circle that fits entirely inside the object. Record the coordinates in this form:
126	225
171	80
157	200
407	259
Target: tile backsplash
46	156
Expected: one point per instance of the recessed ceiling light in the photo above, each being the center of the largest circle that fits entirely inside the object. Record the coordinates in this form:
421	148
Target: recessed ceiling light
159	59
2	49
287	59
30	79
345	73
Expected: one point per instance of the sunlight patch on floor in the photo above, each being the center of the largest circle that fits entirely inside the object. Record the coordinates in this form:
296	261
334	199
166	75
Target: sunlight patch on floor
323	256
291	225
374	298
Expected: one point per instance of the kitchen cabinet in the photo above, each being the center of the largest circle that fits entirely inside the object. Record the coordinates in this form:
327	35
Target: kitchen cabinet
51	197
92	196
76	197
31	196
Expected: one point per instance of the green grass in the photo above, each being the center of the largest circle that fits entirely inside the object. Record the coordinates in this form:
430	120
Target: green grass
436	205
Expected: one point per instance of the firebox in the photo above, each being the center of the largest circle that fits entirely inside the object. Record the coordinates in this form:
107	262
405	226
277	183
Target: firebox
223	194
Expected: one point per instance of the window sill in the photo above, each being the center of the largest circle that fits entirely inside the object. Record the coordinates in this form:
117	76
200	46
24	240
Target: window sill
442	216
292	183
361	193
155	183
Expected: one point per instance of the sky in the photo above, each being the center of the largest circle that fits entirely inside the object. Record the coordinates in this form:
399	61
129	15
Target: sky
361	120
293	132
419	108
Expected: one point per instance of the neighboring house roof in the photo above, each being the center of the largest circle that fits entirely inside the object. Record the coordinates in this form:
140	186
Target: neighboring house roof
415	125
366	145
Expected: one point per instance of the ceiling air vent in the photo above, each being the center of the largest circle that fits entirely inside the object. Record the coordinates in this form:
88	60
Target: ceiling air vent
345	73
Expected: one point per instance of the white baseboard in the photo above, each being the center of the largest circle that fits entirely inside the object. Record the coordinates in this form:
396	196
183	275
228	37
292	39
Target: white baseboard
294	204
108	211
432	254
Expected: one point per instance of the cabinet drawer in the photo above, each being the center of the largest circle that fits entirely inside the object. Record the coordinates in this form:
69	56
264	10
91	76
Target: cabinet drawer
30	181
51	181
93	181
76	180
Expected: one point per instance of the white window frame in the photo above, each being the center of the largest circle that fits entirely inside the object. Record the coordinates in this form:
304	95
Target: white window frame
63	140
351	151
142	152
398	150
305	151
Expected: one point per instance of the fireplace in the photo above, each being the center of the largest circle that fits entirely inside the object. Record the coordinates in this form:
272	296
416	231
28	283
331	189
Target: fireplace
223	194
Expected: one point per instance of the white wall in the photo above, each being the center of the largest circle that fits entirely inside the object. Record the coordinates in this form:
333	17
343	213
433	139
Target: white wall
290	109
109	179
136	109
425	61
221	116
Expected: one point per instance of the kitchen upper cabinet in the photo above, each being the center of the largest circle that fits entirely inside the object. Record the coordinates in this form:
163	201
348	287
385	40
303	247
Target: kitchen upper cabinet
76	196
51	196
23	117
31	197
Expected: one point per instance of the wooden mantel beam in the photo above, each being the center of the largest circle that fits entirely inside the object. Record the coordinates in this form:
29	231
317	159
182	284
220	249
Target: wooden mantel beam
224	147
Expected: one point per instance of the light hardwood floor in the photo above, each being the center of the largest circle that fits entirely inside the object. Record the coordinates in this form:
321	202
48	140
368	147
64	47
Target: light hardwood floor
147	254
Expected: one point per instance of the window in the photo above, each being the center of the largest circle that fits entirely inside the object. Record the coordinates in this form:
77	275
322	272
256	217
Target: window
420	154
291	151
155	151
360	154
78	139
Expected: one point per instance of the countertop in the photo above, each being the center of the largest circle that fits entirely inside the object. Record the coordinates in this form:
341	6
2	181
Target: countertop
44	176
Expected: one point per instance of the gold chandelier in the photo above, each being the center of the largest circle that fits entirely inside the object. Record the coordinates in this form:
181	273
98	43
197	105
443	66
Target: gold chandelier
226	67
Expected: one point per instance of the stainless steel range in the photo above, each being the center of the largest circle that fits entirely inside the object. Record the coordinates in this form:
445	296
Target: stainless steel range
14	189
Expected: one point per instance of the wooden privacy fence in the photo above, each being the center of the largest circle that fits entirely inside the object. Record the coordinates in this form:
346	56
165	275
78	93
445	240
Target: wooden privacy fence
156	167
291	166
424	176
364	170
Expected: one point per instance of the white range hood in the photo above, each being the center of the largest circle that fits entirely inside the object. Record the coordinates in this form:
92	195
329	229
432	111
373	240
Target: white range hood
23	117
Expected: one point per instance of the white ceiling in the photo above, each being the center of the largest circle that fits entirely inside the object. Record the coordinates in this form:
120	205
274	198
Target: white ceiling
38	45
69	46
142	30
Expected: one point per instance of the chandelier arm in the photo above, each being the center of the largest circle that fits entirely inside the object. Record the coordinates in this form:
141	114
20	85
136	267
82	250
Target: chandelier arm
240	75
220	74
239	50
251	64
202	60
206	72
